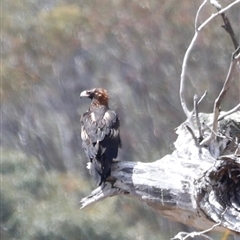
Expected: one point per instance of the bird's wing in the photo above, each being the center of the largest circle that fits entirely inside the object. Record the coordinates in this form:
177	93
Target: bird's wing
100	134
89	134
112	132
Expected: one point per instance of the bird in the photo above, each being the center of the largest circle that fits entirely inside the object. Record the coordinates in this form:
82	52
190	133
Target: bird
100	134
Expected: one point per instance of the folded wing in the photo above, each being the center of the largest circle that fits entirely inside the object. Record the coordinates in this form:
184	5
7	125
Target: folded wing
100	140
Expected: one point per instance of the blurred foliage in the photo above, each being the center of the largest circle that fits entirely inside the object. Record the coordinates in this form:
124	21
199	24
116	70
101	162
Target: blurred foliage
36	204
54	49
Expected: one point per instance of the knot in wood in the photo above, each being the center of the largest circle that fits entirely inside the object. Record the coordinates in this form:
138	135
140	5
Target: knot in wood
219	192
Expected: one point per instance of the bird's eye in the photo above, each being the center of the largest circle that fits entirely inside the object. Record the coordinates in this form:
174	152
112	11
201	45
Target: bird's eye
90	93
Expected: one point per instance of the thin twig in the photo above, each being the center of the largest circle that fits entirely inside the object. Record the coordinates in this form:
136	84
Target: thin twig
238	146
198	12
226	86
216	14
182	91
195	102
216	4
227	25
193	135
222	116
217	134
202	97
201	233
233	110
184	66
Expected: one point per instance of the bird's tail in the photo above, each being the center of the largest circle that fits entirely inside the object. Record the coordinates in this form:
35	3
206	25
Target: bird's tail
99	173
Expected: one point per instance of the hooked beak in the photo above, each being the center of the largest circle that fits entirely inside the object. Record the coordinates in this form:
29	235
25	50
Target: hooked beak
85	94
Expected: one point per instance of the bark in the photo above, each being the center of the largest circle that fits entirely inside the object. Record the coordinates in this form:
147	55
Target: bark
195	185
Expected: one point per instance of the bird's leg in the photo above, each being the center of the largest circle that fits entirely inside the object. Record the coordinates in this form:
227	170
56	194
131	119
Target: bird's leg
111	180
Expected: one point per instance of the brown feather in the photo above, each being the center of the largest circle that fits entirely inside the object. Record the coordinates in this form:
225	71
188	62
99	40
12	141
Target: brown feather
100	97
100	134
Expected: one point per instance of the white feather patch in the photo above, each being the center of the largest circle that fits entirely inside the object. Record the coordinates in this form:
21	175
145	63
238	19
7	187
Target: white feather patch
84	135
107	116
93	118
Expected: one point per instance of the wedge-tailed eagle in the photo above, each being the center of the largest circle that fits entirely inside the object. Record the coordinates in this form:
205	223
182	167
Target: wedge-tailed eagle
100	134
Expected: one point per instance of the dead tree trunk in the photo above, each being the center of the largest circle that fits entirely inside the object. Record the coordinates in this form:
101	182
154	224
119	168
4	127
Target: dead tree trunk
195	186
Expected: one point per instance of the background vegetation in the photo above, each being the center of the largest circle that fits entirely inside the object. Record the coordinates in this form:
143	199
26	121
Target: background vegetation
51	51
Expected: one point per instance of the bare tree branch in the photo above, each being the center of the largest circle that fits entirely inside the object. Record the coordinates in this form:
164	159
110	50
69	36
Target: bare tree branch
217	14
182	91
184	235
202	97
200	135
217	103
223	115
227	25
180	235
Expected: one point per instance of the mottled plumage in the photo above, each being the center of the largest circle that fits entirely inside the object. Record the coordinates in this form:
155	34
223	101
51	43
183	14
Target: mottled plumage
100	134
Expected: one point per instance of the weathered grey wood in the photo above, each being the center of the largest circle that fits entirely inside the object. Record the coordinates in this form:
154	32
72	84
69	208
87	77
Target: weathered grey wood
176	186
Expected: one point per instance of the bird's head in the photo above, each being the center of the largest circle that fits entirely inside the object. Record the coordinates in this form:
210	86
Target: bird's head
98	95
